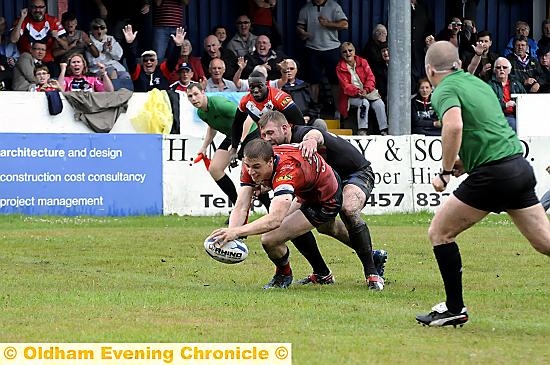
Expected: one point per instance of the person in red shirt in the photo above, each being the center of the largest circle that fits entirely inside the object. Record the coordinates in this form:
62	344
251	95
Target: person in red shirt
284	170
38	26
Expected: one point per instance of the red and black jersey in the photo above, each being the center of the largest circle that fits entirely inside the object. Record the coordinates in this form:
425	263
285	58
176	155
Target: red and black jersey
312	182
39	31
276	100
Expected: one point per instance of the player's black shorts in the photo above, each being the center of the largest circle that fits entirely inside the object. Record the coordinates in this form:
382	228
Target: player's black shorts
500	185
226	143
364	179
317	215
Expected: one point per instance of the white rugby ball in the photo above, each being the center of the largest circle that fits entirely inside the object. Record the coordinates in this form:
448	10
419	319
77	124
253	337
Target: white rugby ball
231	252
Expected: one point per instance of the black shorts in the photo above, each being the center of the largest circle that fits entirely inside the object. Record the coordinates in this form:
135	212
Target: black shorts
226	143
500	185
317	214
364	179
319	60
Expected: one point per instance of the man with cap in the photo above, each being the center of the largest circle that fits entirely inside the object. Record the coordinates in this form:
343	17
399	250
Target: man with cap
149	74
185	73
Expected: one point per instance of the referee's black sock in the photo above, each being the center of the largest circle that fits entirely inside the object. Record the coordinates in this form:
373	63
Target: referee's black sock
360	241
307	246
450	266
227	186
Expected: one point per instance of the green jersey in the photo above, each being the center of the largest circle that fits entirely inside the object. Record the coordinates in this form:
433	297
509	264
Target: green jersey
220	115
486	135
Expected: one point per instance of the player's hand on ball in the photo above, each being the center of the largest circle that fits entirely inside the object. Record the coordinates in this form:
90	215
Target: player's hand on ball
223	235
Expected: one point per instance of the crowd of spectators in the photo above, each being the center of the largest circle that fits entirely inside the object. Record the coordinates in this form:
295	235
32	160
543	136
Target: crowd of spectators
113	51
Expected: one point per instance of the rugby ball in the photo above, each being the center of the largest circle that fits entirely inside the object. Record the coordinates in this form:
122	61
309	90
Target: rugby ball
231	252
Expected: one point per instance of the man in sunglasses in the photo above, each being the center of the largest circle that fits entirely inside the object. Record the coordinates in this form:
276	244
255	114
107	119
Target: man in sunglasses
36	25
149	74
504	87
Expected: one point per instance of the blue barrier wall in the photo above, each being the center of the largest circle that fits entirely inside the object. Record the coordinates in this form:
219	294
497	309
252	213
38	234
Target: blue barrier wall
81	174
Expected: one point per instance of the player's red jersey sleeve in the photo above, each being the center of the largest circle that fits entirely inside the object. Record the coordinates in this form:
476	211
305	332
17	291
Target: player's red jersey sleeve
242	104
280	99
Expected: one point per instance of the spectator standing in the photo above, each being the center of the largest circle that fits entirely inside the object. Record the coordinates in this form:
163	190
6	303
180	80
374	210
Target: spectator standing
358	88
525	68
504	87
422	27
192	61
110	51
522	29
76	78
263	20
318	24
78	41
263	55
119	13
544	40
243	42
480	62
380	71
213	50
424	119
150	74
167	16
23	72
371	50
221	33
38	26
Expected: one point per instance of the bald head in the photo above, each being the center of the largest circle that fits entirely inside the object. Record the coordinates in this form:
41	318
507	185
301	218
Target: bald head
443	56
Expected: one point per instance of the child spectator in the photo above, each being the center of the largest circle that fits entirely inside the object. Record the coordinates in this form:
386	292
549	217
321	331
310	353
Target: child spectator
44	82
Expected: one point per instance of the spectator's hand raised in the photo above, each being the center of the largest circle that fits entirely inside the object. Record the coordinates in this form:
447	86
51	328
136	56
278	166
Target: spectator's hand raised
129	34
429	40
145	9
179	37
24	13
241	61
478	48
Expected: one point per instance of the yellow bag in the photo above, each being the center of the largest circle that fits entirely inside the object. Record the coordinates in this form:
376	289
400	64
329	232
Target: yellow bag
156	114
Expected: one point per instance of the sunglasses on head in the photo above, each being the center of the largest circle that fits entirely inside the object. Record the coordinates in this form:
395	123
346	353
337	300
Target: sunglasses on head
98	27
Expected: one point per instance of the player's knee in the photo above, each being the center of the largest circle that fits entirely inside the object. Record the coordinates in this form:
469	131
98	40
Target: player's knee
542	247
267	241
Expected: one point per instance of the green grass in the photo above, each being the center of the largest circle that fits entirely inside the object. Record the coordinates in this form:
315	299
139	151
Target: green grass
147	279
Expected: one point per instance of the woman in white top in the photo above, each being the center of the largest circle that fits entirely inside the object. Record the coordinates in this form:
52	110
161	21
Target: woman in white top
110	51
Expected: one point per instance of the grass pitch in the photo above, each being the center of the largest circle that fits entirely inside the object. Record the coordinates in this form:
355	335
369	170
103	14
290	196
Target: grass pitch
148	279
